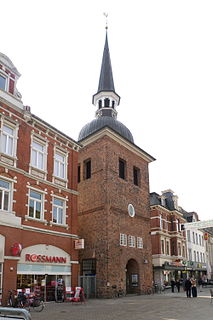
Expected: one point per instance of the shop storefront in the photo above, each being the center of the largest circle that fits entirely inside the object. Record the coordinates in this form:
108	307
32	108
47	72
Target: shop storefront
43	269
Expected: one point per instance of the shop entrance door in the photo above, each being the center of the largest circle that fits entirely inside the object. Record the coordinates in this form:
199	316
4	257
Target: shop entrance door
89	285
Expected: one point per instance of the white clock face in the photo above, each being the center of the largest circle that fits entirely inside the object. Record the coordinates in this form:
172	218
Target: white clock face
131	210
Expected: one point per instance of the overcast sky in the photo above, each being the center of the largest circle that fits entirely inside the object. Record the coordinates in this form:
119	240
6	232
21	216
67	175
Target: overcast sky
162	59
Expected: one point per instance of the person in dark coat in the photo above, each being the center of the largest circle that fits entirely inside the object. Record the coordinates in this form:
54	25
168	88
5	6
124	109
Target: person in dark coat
194	288
173	285
178	285
188	286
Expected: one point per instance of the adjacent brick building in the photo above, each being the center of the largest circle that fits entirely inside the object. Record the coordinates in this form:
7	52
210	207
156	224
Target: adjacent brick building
114	208
38	196
169	250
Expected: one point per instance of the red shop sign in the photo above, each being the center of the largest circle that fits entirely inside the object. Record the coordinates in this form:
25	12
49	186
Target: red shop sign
16	249
43	258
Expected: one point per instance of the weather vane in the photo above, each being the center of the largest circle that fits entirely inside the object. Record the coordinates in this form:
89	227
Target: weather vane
106	16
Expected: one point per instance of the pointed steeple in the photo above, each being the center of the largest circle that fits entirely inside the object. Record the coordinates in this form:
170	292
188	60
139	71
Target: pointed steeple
106	99
106	82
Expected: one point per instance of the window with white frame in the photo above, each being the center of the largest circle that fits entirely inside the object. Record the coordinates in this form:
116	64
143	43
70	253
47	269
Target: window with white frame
60	165
190	254
198	258
139	242
203	257
193	237
58	211
195	258
196	238
36	205
123	239
131	241
5	195
161	222
38	154
8	134
3	82
189	235
199	239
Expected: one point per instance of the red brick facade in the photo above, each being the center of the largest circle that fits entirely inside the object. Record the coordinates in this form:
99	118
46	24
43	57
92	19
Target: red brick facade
103	214
168	239
38	208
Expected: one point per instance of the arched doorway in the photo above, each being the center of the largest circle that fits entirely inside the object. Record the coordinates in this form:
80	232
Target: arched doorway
132	276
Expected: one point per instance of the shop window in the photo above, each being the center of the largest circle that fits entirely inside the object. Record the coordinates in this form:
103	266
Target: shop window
123	239
5	195
122	169
136	176
131	241
139	242
60	165
36	205
8	139
2	82
38	154
58	211
87	169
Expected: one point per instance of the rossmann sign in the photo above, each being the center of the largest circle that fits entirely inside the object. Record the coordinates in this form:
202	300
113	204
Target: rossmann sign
44	258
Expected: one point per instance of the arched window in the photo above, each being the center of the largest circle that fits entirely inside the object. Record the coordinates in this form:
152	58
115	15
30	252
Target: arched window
99	103
106	102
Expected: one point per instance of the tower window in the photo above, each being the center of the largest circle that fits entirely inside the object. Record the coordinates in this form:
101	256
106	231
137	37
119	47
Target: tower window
136	176
122	168
79	173
106	102
113	104
87	169
99	103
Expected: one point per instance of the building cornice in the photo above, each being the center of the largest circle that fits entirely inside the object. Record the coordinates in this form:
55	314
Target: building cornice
106	131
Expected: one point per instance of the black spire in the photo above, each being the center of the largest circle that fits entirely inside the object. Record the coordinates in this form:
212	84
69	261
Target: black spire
106	82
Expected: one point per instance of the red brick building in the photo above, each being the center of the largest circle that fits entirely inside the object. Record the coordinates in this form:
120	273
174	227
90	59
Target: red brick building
169	250
38	196
114	210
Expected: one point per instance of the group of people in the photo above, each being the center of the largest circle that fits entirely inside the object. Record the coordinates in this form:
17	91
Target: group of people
175	283
190	286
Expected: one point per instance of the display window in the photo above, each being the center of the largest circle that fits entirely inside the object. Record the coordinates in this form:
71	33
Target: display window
48	287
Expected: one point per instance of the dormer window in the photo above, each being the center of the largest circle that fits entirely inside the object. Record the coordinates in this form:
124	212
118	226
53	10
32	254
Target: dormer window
2	82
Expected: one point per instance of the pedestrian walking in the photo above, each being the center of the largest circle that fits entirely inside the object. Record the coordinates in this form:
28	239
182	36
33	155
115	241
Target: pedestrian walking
178	285
200	283
194	288
188	286
173	285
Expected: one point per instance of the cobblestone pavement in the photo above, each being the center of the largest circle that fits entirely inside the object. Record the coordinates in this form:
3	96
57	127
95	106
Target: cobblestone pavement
165	306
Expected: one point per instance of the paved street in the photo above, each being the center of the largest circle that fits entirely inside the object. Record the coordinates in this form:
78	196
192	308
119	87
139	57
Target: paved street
165	306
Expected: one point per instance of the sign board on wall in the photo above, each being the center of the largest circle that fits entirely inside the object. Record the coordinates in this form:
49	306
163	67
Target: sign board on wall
79	244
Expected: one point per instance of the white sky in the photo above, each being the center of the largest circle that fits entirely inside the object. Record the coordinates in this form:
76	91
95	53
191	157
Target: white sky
162	60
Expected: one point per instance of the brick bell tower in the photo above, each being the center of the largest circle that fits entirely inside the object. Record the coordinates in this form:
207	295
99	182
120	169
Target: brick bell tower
113	208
